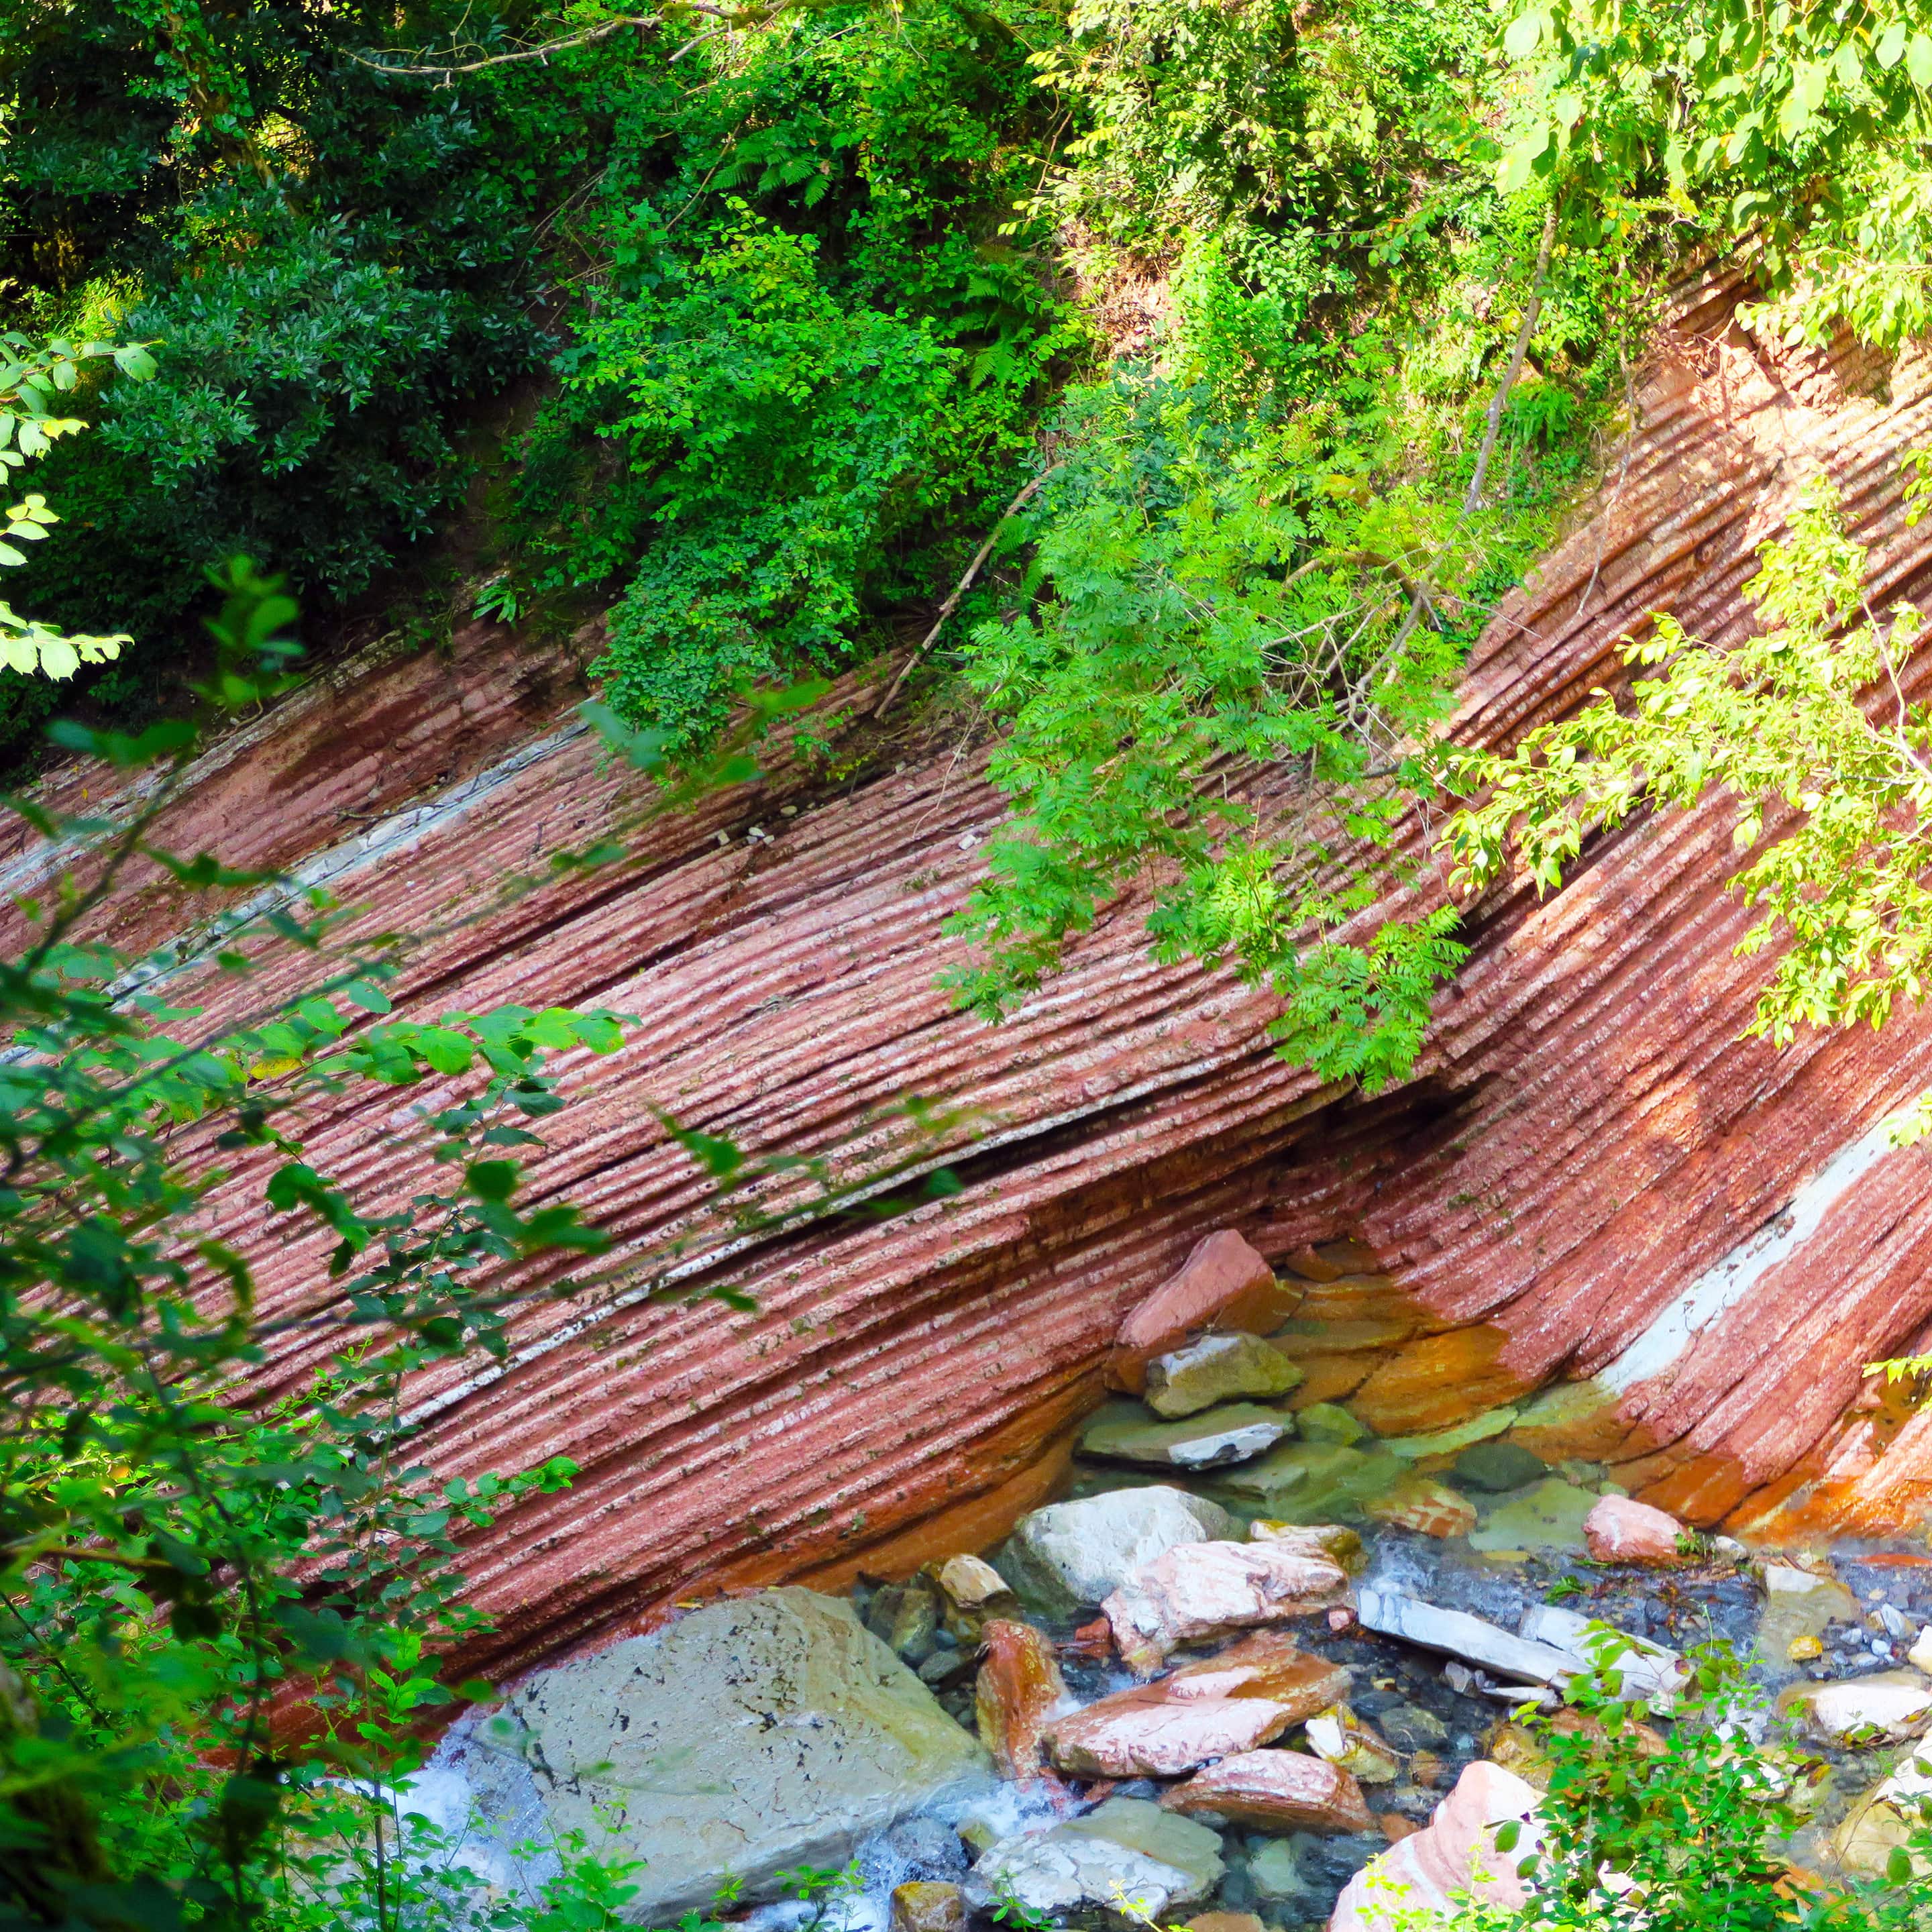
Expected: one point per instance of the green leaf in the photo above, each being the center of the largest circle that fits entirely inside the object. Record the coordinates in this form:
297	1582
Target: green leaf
1918	59
1890	45
447	1052
367	994
1513	171
491	1179
1525	34
134	362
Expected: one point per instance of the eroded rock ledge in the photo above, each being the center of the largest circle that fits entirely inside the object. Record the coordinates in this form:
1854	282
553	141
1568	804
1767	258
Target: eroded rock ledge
1591	1180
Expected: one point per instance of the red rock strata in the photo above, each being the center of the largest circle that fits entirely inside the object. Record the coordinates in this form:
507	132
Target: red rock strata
1586	1139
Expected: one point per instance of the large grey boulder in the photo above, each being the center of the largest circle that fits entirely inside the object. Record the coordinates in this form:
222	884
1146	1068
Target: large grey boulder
754	1734
1125	1850
1070	1556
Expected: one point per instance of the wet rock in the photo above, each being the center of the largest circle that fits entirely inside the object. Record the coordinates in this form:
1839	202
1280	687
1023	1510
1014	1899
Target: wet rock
928	1906
1341	1739
1882	1708
1199	1591
1275	1872
971	1583
1884	1820
1798	1604
1422	1503
905	1616
1395	1827
930	1848
1234	1433
1620	1529
1456	1633
1217	1369
1427	1874
1336	1541
787	1731
1312	1482
1647	1672
1249	1694
1019	1689
1410	1728
1327	1422
1223	1284
1126	1847
1226	1921
1458	1435
1069	1555
1496	1467
1549	1515
1282	1790
944	1667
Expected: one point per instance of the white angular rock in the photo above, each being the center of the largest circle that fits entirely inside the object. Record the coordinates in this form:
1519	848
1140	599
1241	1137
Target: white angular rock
1456	1633
1421	1881
1197	1591
1127	1849
1650	1674
1882	1708
1072	1554
1884	1819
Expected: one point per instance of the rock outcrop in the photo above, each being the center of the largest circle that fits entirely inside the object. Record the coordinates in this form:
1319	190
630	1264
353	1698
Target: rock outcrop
1597	1220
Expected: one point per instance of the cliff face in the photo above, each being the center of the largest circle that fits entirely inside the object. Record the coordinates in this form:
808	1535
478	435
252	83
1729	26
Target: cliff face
1593	1187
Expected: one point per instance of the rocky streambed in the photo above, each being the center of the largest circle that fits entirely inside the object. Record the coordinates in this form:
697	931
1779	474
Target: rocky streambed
1254	1652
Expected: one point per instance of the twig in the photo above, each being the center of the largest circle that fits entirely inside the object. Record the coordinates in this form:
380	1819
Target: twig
960	588
727	16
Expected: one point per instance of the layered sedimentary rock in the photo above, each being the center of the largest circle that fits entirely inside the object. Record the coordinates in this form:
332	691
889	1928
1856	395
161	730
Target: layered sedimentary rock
1593	1184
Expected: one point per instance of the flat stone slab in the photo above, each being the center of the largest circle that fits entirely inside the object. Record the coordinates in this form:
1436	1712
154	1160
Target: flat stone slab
754	1734
1548	1515
1649	1673
1218	1368
1231	1433
1456	1633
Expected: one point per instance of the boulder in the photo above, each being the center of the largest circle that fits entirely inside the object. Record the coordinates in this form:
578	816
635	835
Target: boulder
1251	1692
1019	1690
1422	1503
1620	1529
928	1906
1122	1433
1275	1790
1217	1368
1885	1708
1457	1633
1548	1515
1341	1739
1312	1482
1199	1591
1423	1880
756	1733
1128	1847
1495	1467
1072	1554
1223	1284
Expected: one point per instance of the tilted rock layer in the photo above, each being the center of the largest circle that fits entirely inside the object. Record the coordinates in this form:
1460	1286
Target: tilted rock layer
1592	1179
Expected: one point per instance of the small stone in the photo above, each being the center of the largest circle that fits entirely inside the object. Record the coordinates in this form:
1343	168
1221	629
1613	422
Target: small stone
1335	1540
1497	1466
1730	1549
1509	1745
946	1666
1218	1368
1422	1503
927	1906
1396	1827
1071	1555
1223	1284
1018	1692
1881	1708
1232	1433
1893	1621
1275	1872
914	1622
1620	1530
930	1848
1425	1769
1921	1652
1804	1649
1429	1874
1226	1921
1197	1591
1328	1422
970	1582
1127	1846
1341	1618
1246	1696
1279	1789
1341	1739
1409	1727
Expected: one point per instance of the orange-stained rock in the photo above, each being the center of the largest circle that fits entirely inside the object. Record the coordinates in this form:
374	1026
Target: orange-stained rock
1250	1693
1019	1688
1276	1790
1436	1381
1225	1921
1222	1284
925	1906
1396	1827
1421	1503
1424	1876
1620	1529
1199	1591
